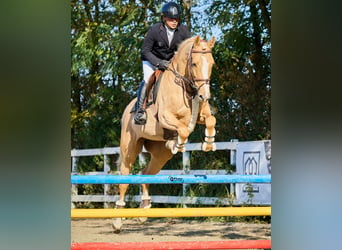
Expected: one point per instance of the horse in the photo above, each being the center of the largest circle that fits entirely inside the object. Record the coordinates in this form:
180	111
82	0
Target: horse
181	102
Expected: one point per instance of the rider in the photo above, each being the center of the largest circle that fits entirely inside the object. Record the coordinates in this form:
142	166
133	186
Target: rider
158	48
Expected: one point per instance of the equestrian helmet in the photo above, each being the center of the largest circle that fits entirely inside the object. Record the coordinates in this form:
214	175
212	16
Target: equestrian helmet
171	10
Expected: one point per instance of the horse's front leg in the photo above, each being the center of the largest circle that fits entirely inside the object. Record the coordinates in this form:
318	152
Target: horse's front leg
130	149
210	121
169	121
178	145
119	204
159	156
145	200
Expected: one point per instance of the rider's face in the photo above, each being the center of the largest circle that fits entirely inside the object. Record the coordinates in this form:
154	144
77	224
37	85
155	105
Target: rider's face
172	23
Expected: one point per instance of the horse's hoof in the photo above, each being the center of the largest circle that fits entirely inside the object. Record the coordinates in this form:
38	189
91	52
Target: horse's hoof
207	147
174	150
145	204
170	145
117	225
204	147
142	219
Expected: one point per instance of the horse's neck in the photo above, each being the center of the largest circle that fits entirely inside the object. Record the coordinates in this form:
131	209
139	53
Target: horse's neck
173	88
178	66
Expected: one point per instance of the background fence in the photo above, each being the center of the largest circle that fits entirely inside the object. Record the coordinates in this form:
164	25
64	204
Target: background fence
231	148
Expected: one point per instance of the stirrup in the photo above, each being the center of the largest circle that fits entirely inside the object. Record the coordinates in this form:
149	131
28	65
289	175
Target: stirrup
139	118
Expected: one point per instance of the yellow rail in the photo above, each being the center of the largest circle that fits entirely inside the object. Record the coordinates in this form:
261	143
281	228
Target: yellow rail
170	212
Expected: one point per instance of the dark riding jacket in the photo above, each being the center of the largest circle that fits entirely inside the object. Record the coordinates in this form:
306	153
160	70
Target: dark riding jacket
156	45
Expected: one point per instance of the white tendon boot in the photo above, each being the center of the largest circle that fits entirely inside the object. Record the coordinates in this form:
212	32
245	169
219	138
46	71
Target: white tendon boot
117	222
209	145
145	203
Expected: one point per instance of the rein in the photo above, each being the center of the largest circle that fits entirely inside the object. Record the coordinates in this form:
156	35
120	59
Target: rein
189	86
190	82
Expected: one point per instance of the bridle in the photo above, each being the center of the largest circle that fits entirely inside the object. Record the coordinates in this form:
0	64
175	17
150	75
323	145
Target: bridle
189	64
190	87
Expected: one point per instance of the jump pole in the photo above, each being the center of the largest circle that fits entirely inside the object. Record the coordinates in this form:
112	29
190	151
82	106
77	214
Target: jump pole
187	245
168	179
170	212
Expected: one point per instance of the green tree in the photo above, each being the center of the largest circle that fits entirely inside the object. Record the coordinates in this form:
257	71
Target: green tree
106	37
241	78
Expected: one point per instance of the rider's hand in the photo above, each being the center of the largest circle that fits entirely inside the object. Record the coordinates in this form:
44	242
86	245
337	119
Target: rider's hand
162	65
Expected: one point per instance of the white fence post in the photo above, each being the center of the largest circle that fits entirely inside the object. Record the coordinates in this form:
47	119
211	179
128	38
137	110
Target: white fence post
186	170
74	190
106	170
233	163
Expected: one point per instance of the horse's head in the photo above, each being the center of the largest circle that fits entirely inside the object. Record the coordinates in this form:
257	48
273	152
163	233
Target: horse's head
199	66
192	64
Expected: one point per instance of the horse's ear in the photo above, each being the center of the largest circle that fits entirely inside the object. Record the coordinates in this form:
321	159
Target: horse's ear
197	41
212	42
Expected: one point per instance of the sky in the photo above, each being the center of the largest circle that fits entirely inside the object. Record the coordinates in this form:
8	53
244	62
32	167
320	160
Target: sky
200	15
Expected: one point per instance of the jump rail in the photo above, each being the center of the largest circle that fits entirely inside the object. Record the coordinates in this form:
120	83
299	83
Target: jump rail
170	212
168	179
187	245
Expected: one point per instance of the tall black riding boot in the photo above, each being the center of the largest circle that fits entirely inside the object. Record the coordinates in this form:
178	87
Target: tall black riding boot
140	116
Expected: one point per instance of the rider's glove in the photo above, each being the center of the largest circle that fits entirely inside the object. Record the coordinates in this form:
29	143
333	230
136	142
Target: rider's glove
162	65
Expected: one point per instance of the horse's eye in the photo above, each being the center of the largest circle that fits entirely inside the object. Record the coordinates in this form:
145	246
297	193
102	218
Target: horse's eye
194	65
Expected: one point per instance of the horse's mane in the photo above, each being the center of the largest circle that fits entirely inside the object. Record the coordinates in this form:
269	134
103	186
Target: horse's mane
185	44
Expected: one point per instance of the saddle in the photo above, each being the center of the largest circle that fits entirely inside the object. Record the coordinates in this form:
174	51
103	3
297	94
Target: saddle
152	87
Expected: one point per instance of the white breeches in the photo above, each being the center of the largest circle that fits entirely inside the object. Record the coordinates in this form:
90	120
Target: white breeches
148	70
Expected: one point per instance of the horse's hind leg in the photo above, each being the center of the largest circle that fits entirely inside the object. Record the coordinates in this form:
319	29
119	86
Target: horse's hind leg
128	154
159	156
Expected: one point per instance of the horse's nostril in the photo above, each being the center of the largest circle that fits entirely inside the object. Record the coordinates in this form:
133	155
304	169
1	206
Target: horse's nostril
204	98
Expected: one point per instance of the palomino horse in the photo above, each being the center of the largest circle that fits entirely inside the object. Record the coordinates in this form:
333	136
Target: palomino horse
182	101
